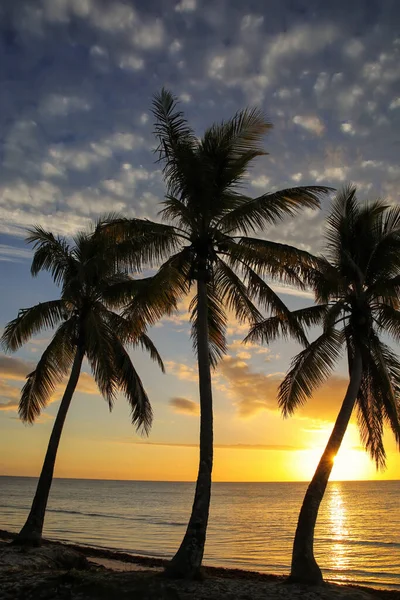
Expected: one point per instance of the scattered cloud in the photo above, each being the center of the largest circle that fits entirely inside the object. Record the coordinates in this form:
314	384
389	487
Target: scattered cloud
14	254
313	124
186	6
278	447
348	128
16	370
184	406
181	370
254	392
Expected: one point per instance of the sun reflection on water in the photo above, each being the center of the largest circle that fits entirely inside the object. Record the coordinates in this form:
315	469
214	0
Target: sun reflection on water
337	518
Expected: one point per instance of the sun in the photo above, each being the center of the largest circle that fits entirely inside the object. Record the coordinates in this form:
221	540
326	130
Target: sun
350	464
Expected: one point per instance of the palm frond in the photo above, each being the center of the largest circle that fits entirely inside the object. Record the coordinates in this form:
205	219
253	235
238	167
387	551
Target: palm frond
129	382
281	325
269	300
385	369
151	298
136	243
53	365
216	324
309	369
388	320
171	127
99	339
52	253
147	344
233	293
269	209
30	321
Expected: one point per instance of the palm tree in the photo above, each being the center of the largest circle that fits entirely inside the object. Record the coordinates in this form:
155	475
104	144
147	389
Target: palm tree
206	242
85	327
356	289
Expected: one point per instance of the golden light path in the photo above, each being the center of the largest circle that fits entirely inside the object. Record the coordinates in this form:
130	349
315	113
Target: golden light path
339	532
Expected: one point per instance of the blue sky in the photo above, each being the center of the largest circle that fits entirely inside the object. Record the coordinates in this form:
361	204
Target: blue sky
76	142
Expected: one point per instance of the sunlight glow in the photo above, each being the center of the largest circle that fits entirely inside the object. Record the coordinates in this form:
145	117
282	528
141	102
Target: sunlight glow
349	464
339	532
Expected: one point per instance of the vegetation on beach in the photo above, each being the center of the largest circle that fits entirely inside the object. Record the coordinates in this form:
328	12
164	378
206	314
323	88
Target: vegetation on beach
204	246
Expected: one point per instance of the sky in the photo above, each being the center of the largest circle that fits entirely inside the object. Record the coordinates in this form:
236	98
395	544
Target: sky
77	79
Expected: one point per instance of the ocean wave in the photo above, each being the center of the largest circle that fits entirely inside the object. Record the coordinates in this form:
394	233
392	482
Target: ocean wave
350	542
146	519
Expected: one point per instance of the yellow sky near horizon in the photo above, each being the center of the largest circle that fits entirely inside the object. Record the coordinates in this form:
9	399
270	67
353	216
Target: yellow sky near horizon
252	440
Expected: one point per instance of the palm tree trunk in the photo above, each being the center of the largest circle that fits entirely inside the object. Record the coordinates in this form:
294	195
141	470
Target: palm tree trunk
31	532
187	561
304	566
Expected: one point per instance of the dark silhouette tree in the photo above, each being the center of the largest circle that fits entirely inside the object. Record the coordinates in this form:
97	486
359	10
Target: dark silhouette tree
86	326
207	243
357	288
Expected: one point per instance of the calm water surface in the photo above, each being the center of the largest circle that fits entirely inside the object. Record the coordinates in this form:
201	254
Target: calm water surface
251	524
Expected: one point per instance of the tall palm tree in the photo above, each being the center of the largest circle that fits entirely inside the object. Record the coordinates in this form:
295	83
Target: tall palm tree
85	327
206	242
357	287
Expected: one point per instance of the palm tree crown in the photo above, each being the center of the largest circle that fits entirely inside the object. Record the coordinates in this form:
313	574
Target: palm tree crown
82	318
356	289
210	218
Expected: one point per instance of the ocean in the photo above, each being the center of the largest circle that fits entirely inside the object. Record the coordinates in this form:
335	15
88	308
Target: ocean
251	525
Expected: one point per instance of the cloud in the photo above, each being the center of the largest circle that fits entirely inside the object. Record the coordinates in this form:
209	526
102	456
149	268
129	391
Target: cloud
254	392
300	41
181	370
276	447
16	369
186	6
185	406
348	128
310	123
260	182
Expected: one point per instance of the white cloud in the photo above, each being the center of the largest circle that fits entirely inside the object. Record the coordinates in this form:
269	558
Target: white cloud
395	103
148	37
260	182
371	163
13	254
297	177
250	23
98	51
303	40
185	97
339	173
82	160
321	83
175	46
311	123
354	48
50	170
131	62
186	6
57	105
40	194
348	128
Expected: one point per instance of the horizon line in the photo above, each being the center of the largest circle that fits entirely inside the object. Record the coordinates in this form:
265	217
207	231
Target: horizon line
194	481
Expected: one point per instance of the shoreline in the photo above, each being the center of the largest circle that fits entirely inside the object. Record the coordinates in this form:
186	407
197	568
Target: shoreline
123	563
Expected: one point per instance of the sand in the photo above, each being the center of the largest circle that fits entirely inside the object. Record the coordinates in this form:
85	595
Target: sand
64	571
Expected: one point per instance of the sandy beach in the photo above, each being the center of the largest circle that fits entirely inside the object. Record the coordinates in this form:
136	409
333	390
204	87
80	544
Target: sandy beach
58	571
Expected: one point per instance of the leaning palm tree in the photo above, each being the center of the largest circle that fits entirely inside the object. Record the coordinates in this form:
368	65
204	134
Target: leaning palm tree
206	243
85	327
357	287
